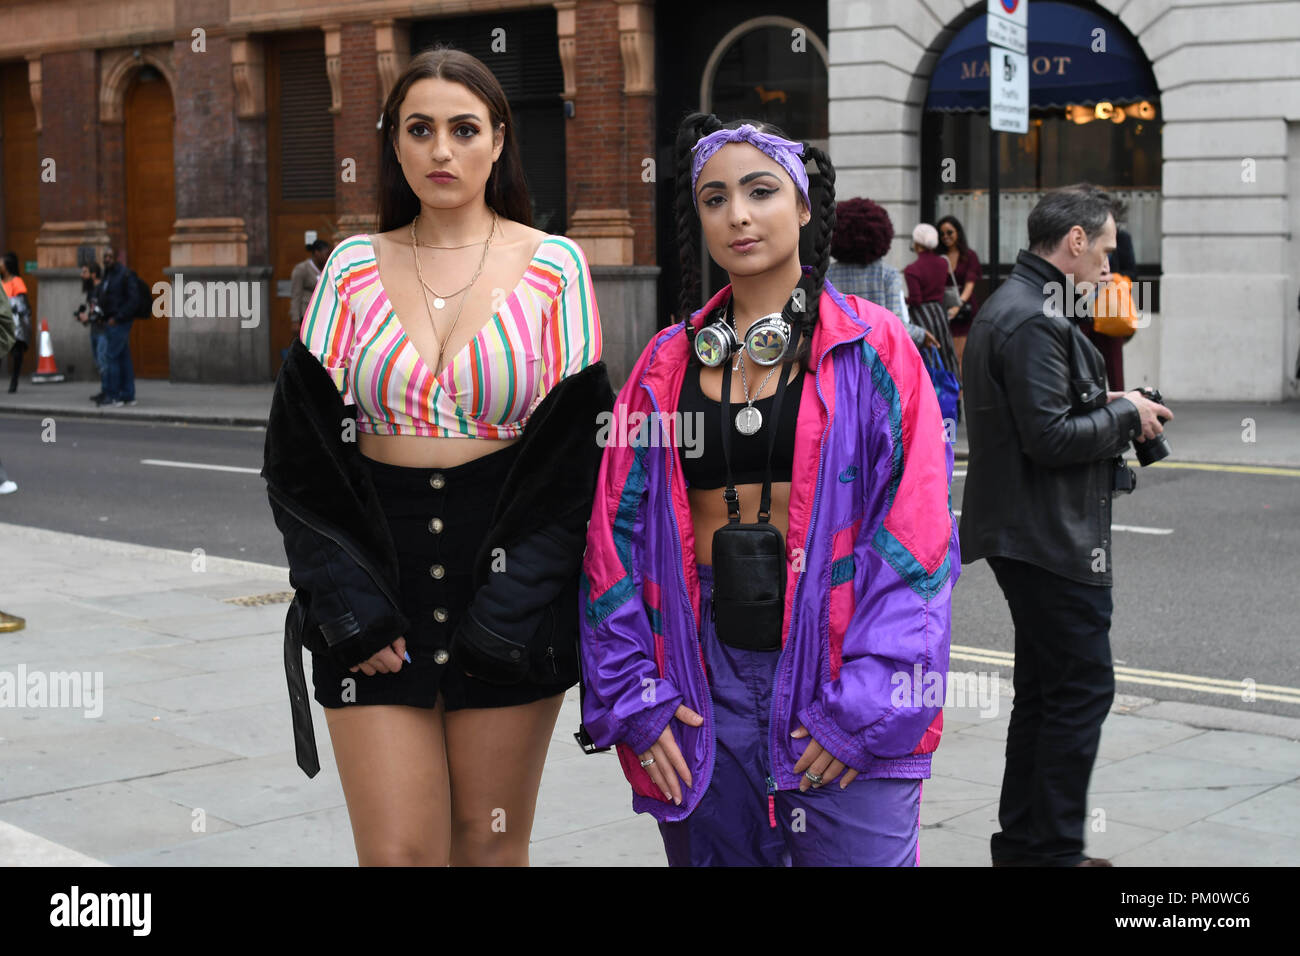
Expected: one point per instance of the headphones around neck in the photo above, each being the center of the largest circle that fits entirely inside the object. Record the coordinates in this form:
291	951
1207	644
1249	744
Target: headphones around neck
767	341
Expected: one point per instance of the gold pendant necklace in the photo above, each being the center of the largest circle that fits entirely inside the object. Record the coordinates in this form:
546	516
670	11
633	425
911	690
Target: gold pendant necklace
442	343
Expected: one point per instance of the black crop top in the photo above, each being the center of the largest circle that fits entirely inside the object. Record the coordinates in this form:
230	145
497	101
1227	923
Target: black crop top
748	452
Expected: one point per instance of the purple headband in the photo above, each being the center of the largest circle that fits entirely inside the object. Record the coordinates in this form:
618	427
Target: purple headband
784	151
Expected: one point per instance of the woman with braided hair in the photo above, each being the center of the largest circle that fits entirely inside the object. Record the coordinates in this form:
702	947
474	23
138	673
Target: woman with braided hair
766	611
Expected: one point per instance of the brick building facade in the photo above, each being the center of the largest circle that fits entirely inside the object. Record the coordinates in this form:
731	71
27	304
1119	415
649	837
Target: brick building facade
215	92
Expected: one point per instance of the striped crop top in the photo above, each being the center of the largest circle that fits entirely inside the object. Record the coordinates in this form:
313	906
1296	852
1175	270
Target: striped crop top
547	328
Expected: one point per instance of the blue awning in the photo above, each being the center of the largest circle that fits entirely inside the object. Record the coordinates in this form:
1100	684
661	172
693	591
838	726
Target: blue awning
1063	67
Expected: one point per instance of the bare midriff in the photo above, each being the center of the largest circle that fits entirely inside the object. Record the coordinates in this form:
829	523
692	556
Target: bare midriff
424	451
709	513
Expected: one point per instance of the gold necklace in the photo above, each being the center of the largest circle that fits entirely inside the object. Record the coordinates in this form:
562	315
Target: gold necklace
440	301
442	343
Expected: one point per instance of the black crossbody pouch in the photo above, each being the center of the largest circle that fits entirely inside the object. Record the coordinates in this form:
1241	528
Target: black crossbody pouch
749	565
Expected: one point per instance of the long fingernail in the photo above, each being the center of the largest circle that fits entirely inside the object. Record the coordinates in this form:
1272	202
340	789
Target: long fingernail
406	656
667	795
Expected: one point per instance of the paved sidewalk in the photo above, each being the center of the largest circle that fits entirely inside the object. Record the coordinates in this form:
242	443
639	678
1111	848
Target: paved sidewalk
1210	432
191	762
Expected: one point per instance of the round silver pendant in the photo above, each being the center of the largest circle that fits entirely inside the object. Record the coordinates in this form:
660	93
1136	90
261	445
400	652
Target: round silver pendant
439	303
749	420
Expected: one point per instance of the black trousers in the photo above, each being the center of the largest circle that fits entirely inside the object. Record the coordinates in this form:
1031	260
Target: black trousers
16	360
1064	683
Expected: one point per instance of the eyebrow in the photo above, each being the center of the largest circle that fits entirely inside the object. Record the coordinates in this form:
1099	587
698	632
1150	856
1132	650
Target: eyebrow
430	119
712	184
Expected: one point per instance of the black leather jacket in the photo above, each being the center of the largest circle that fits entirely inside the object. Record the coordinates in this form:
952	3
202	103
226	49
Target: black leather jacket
523	622
1042	437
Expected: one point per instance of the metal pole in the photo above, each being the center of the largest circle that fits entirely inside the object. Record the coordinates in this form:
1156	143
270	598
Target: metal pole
994	211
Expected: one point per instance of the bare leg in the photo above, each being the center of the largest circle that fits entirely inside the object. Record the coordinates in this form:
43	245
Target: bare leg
495	756
393	765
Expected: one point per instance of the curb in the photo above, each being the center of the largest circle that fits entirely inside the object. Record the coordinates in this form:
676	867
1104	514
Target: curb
171	418
141	552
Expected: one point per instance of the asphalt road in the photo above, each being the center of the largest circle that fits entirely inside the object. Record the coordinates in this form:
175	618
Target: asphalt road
1217	597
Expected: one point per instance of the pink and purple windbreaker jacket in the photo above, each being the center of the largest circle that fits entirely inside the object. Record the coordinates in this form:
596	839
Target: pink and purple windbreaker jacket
872	550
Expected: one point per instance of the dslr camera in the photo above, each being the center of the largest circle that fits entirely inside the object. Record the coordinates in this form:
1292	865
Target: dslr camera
1148	451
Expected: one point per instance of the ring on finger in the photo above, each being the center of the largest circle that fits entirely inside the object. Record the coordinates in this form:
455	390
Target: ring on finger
648	761
815	778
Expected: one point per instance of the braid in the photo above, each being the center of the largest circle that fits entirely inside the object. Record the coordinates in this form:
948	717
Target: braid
824	218
692	129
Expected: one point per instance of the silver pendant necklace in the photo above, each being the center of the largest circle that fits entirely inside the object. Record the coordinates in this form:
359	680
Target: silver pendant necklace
749	419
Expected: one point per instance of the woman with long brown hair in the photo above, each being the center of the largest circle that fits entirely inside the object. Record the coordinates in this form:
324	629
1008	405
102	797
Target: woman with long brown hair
462	335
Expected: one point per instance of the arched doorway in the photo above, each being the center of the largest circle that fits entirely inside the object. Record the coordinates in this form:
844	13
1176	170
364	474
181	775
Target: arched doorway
1094	116
769	68
149	122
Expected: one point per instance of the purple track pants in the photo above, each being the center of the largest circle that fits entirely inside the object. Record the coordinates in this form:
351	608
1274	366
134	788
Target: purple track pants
872	822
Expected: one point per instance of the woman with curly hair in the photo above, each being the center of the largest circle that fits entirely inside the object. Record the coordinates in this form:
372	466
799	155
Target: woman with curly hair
863	234
748	672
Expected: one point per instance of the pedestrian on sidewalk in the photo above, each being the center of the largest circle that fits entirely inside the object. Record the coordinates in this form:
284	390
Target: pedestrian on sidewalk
960	301
302	283
863	234
15	290
1123	262
751	709
89	314
6	342
1046	444
117	299
443	655
925	277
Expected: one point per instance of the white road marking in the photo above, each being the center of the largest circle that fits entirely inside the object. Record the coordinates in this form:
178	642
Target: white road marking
196	464
1138	529
1138	675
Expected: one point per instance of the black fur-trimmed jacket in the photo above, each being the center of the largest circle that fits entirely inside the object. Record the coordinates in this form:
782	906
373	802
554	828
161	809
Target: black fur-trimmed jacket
523	622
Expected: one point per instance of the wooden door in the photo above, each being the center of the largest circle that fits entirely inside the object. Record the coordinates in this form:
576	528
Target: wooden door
20	185
150	208
300	164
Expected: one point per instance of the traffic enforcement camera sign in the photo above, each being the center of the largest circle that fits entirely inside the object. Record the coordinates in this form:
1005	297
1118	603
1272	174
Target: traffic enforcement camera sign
1008	90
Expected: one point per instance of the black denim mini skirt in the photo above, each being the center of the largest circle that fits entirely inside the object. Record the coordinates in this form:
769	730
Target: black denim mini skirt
438	518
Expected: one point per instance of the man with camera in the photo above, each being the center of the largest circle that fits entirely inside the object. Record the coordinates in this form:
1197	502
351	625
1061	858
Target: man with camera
1046	443
90	314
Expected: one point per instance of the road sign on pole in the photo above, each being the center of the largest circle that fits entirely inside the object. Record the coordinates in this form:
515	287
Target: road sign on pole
1008	90
1008	24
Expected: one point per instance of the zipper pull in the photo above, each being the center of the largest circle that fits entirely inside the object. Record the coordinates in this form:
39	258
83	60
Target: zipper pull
771	802
550	652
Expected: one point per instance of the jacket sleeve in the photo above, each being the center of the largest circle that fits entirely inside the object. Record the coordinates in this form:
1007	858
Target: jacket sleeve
327	325
626	701
896	294
297	293
22	312
7	326
906	560
354	619
492	635
1037	378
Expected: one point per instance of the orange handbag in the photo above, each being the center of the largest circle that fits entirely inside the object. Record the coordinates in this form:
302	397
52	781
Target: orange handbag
1113	312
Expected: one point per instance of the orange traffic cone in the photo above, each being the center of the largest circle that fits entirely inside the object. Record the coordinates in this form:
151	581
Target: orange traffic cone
46	370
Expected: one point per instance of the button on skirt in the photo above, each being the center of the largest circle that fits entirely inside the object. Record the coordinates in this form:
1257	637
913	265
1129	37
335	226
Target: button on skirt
438	517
